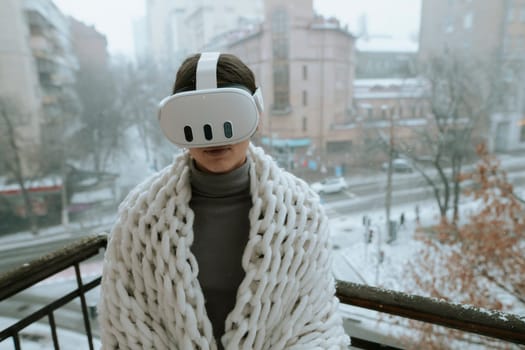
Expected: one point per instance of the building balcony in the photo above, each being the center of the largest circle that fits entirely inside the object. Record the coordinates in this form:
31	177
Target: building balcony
45	14
38	20
504	327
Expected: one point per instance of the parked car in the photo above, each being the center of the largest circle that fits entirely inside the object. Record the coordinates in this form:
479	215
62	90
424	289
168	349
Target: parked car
399	165
330	185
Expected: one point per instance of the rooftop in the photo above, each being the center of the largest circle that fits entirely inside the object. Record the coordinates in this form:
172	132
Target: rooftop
383	43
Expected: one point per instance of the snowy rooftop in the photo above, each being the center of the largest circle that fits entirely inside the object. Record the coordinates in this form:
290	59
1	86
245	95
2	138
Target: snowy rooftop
388	88
48	182
386	44
387	82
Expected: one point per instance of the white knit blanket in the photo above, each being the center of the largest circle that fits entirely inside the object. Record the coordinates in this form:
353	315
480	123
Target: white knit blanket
150	294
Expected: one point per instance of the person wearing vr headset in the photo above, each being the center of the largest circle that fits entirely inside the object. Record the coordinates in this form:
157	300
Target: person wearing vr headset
222	249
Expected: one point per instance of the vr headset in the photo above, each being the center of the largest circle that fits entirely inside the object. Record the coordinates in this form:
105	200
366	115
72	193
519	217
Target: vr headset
210	116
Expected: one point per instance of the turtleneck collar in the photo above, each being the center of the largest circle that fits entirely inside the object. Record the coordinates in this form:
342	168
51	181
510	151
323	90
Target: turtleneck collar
220	185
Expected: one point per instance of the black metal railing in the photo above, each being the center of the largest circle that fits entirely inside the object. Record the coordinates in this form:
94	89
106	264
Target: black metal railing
494	324
27	275
467	318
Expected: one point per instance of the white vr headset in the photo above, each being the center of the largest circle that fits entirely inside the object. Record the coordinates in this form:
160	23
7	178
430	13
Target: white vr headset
210	116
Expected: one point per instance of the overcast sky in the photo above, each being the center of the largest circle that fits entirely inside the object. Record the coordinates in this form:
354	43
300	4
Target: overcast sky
113	18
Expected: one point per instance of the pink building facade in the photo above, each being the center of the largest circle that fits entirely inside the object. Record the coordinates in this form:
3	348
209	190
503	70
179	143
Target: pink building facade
305	65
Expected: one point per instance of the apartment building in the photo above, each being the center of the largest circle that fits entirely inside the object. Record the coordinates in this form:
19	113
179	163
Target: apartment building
89	46
37	73
484	29
20	97
476	26
56	64
175	29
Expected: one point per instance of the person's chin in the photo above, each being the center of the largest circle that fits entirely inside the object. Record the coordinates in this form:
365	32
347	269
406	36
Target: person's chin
220	168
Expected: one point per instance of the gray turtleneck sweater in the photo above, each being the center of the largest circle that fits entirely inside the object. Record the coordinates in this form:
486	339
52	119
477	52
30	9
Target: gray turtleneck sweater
221	203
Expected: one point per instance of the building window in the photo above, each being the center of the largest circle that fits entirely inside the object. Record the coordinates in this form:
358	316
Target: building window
422	112
467	21
281	86
280	52
305	124
305	98
280	47
449	24
510	14
280	21
305	72
507	44
384	112
522	131
520	44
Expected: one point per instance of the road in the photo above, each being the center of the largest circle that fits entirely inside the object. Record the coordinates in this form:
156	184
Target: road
368	193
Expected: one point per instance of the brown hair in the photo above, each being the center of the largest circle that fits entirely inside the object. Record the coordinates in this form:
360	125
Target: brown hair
230	70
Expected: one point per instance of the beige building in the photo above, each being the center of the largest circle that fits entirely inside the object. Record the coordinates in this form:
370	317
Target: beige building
305	66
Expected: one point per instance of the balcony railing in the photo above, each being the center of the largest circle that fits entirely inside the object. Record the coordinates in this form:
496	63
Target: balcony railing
494	324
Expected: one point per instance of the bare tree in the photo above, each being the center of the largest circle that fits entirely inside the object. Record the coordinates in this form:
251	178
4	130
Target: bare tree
139	92
99	135
11	154
461	95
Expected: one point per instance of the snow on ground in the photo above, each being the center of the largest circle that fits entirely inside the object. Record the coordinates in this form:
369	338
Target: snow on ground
356	260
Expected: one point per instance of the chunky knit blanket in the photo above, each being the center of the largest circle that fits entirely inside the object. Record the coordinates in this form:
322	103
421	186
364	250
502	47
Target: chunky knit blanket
150	294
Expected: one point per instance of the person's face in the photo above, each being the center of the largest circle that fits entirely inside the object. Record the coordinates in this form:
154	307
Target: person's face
220	159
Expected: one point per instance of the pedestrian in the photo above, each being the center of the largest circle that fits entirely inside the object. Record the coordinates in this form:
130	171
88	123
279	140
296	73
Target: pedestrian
370	235
417	214
402	220
222	249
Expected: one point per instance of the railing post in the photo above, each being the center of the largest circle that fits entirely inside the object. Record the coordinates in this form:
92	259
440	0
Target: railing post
16	340
29	274
52	324
84	307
